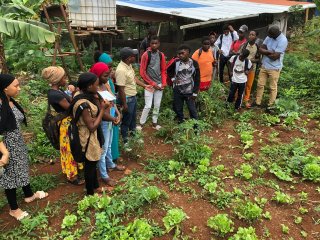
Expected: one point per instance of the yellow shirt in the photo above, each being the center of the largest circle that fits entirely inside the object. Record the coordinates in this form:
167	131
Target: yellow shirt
125	77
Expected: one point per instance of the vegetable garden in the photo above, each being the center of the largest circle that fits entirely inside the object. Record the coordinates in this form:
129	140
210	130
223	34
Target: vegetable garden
238	176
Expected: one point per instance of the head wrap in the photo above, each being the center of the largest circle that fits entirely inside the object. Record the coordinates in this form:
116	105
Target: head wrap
8	121
99	68
85	80
53	74
105	58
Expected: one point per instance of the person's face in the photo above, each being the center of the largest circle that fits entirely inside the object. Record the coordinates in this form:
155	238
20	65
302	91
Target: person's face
183	54
252	36
154	44
13	89
63	82
241	34
226	32
206	45
104	77
132	59
94	87
212	39
273	34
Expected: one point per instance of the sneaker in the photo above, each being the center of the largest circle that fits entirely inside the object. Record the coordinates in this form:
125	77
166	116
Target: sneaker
127	148
139	127
156	127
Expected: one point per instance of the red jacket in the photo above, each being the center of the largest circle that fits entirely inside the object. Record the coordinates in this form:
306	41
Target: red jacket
143	69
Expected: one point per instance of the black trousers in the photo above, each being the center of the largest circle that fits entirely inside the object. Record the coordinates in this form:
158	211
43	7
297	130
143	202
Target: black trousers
90	176
223	62
11	195
233	89
178	102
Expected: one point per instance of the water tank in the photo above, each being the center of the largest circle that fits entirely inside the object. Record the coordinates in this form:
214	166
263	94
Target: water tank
93	14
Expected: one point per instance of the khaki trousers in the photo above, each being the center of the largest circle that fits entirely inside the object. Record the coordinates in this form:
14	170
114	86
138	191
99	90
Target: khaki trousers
249	84
264	75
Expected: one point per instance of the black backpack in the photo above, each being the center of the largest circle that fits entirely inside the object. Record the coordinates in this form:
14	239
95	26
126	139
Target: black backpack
246	63
73	131
51	127
221	36
149	57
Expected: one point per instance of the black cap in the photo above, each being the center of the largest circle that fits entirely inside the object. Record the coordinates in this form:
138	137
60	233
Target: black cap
127	52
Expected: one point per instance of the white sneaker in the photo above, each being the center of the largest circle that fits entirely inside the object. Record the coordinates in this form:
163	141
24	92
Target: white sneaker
139	127
157	127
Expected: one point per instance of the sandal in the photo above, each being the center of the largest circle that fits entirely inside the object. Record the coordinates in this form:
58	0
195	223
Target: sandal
118	168
109	181
37	195
76	182
20	216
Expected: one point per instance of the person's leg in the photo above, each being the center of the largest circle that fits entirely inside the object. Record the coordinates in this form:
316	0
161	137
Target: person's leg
115	143
274	77
102	161
263	76
221	67
249	84
109	162
191	103
133	112
232	93
148	96
12	198
178	105
90	175
27	191
157	97
126	121
241	87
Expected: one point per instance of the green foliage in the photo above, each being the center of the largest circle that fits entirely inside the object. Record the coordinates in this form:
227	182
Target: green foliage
311	172
247	210
245	171
285	229
138	229
245	234
281	197
220	224
69	221
173	220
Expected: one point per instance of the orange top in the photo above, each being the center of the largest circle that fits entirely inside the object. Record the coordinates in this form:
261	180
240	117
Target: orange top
277	2
205	61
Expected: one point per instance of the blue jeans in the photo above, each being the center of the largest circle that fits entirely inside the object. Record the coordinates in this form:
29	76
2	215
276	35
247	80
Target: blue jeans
129	118
106	156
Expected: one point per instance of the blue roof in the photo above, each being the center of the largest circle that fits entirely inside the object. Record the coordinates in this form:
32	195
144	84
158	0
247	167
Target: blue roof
164	4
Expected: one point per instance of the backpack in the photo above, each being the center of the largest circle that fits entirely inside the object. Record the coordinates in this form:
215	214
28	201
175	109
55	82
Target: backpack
221	36
200	52
246	63
149	58
51	127
73	131
170	74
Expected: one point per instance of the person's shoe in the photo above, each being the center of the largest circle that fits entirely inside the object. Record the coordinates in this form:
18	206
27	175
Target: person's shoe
255	105
109	181
127	148
269	110
156	127
139	127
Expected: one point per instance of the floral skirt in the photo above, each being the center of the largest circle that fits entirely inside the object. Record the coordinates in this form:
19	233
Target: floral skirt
68	164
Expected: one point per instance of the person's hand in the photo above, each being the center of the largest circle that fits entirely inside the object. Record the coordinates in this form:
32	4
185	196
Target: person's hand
158	88
104	104
193	97
149	88
231	28
124	107
71	88
220	51
116	121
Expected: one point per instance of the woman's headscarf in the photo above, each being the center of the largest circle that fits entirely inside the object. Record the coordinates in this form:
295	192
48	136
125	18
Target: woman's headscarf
53	74
99	68
7	119
105	58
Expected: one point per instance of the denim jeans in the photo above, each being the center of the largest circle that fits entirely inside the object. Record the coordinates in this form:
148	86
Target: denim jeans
129	118
106	156
178	102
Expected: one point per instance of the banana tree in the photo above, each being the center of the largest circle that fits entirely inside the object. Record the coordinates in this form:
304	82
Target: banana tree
22	30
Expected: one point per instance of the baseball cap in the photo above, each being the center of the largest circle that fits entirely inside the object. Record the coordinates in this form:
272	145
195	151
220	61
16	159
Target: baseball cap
127	52
243	28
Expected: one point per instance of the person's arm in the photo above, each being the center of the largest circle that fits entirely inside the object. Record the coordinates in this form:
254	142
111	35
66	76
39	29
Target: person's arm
93	123
234	33
5	154
196	79
142	84
218	43
107	116
163	71
280	49
123	99
143	70
118	114
64	104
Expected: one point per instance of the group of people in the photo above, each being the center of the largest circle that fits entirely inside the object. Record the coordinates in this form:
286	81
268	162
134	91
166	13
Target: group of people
94	100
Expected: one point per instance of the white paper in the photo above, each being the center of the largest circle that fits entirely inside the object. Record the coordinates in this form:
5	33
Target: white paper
107	95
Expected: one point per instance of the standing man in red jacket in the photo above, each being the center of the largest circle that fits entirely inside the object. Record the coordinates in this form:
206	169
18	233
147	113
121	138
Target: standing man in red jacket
153	72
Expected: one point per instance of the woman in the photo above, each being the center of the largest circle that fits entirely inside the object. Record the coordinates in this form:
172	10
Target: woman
16	172
4	156
59	102
102	71
106	58
92	111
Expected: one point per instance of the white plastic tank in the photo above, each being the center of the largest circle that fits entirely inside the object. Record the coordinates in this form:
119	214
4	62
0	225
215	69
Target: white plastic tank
93	14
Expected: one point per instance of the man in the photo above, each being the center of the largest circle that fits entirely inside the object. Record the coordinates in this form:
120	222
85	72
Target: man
235	47
186	83
254	57
224	43
272	49
127	87
205	58
153	72
146	41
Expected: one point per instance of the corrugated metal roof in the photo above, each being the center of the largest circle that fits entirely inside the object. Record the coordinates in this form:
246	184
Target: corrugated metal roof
205	10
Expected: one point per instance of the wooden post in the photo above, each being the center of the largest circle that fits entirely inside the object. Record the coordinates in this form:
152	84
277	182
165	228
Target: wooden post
307	15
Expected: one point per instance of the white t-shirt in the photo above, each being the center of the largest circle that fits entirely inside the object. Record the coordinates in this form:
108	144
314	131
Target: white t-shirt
239	75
